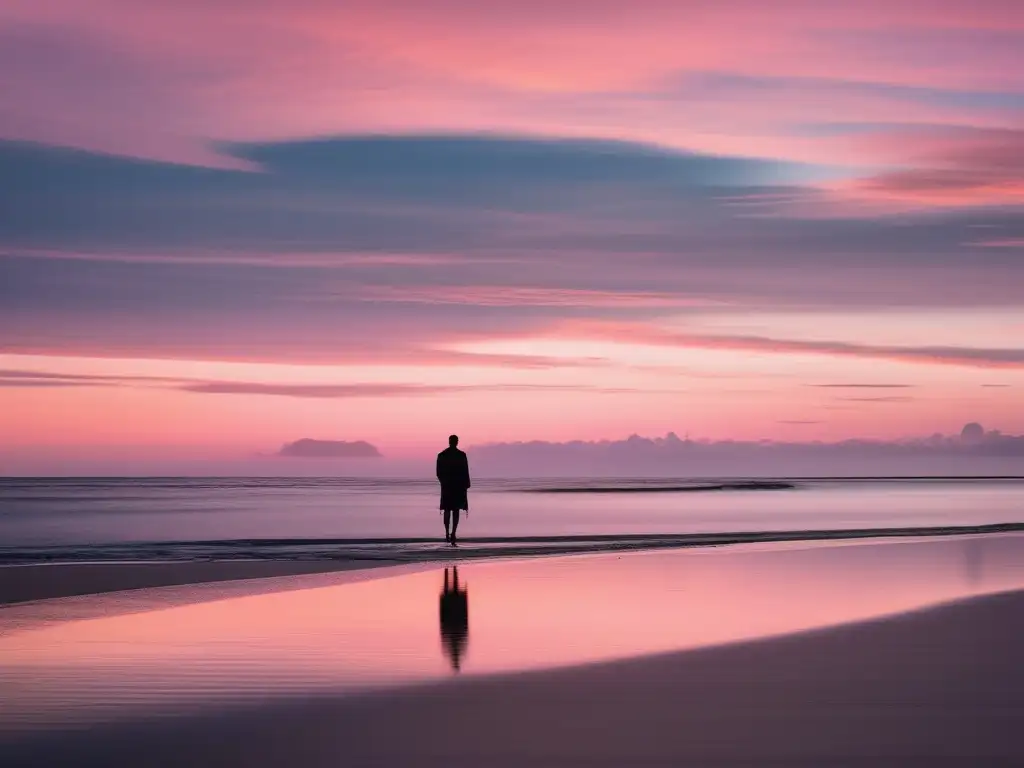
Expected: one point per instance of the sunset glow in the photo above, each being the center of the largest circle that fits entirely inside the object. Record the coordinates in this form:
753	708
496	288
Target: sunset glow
227	226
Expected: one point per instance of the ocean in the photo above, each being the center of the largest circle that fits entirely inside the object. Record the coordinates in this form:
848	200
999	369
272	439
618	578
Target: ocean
73	519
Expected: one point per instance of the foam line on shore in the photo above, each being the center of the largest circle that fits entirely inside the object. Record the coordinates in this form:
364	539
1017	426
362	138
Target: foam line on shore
430	549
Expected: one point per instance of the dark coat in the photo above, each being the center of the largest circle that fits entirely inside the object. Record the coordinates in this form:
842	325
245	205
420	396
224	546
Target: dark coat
453	474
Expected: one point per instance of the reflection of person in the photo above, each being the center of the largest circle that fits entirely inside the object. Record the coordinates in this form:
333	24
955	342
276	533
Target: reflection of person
454	619
453	474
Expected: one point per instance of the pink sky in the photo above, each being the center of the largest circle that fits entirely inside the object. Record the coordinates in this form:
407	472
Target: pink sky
388	221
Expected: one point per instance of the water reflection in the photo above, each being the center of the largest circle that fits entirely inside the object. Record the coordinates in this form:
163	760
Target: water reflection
974	563
107	660
454	610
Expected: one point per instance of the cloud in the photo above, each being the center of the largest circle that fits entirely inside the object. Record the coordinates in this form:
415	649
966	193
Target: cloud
312	68
426	242
336	391
828	113
942	355
960	356
321	203
313	390
495	166
35	378
26	379
66	83
955	166
673	456
346	194
376	390
1010	242
30	383
533	296
307	448
863	386
881	399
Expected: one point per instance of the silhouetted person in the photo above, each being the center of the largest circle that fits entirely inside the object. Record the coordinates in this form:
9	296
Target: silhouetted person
454	620
453	474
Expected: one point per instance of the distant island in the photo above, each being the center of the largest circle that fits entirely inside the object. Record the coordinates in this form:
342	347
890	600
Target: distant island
308	448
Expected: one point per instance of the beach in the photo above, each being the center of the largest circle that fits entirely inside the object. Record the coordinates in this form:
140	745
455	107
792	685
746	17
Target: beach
487	384
940	687
897	653
22	583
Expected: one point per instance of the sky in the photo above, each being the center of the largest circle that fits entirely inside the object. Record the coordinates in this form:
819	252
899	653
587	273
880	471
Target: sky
227	226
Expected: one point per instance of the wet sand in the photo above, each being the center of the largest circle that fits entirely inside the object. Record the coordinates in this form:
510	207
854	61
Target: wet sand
941	686
22	583
43	580
938	687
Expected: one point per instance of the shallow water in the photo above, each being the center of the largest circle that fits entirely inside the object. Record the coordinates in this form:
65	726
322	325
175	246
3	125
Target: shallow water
241	648
76	515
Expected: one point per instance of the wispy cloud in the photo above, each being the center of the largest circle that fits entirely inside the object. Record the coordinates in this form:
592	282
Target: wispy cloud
863	386
879	399
310	68
956	166
516	235
942	355
396	185
1008	242
533	296
33	378
29	379
313	390
335	391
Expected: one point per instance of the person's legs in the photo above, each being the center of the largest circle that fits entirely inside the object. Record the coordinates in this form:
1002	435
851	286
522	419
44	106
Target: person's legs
455	524
447	523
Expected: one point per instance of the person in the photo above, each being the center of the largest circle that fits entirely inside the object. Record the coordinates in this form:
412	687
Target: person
454	610
453	475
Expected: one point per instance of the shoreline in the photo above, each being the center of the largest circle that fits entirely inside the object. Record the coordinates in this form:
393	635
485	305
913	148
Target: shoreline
418	548
33	579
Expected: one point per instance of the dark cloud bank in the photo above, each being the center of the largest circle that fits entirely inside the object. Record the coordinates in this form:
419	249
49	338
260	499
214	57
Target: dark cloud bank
974	451
282	261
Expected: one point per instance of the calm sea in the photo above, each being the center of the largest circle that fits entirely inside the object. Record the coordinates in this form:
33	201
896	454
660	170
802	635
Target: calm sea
182	518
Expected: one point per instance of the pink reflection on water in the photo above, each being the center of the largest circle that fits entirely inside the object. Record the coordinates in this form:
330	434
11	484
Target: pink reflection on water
502	616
